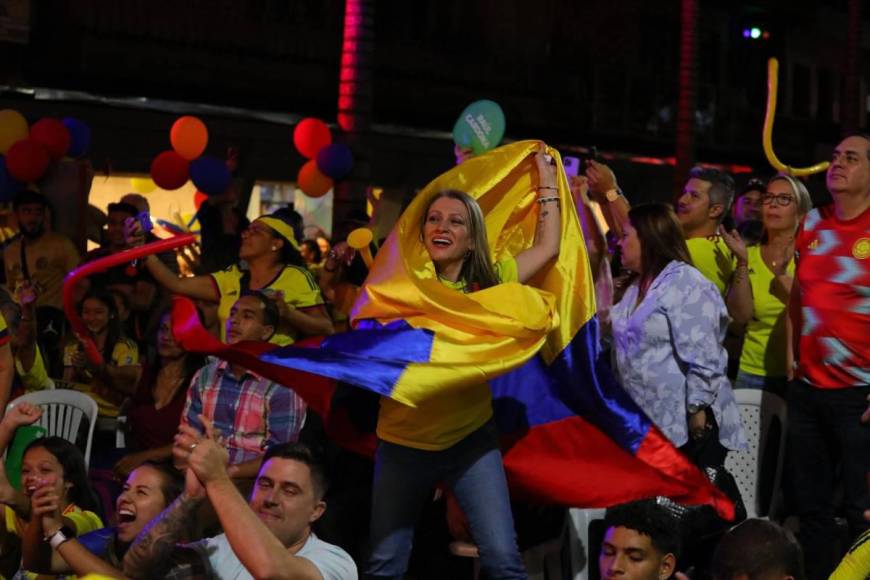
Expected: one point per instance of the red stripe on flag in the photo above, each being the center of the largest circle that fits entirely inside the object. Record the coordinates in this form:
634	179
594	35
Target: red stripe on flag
570	461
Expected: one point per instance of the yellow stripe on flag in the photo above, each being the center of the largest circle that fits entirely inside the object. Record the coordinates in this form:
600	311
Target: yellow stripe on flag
481	335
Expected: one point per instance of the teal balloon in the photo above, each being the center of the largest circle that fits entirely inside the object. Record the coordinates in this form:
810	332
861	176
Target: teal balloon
480	127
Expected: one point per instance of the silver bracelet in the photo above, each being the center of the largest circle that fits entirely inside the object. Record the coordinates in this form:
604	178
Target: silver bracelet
548	199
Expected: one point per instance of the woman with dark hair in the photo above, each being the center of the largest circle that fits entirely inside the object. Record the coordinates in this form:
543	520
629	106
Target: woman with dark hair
273	265
50	467
417	447
762	284
313	256
667	340
115	379
154	413
148	490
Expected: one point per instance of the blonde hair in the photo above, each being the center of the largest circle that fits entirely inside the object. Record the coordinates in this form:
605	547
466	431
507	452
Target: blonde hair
801	196
477	271
802	199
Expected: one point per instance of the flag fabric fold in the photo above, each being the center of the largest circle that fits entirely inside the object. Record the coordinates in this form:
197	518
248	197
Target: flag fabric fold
571	434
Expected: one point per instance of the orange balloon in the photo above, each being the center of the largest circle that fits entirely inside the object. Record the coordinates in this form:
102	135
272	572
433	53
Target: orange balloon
311	181
188	136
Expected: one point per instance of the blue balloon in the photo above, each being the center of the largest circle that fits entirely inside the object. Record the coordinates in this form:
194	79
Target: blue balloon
8	185
79	137
335	160
210	175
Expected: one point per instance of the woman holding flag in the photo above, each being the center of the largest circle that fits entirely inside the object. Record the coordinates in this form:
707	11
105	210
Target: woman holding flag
455	346
450	437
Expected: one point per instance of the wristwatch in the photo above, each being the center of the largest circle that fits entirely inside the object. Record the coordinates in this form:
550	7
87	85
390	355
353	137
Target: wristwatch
62	534
612	195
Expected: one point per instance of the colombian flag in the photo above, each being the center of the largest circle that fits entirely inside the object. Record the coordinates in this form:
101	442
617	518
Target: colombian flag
570	434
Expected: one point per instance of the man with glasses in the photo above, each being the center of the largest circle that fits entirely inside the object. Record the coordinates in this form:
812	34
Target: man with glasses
830	314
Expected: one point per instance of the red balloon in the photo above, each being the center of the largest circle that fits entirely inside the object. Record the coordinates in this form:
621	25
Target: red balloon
311	181
198	199
27	160
310	136
53	135
169	170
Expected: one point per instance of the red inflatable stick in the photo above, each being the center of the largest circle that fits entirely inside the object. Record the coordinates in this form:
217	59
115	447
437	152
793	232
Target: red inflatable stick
101	265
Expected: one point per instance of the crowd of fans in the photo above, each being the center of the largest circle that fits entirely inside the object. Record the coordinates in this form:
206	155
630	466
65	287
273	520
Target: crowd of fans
223	472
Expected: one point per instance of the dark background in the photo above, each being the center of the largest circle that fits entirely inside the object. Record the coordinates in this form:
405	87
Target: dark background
574	73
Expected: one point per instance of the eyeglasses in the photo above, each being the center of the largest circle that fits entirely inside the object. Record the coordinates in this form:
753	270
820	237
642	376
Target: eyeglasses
782	200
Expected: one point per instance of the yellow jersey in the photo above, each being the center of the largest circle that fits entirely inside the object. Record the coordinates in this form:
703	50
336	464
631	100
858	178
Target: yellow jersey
296	283
83	521
764	341
712	257
125	353
424	427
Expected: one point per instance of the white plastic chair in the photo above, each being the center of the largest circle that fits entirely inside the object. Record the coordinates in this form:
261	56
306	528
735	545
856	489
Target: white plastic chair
582	551
62	413
758	410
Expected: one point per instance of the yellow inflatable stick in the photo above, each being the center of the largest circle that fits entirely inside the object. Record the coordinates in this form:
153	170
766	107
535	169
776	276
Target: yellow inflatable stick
767	133
359	240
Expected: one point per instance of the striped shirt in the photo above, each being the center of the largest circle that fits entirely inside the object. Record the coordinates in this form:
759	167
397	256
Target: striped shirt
250	411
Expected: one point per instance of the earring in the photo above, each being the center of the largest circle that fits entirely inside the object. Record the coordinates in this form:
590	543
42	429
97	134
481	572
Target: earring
274	248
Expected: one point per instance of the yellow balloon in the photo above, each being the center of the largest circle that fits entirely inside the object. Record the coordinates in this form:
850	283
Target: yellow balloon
359	239
767	132
13	127
143	185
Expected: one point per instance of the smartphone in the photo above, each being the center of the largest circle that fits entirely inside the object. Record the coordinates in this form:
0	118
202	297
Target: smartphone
144	219
572	165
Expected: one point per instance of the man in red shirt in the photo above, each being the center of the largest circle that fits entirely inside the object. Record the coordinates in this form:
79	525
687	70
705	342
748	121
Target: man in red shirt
830	314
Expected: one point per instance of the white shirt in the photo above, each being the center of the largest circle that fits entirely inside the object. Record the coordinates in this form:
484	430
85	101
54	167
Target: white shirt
332	562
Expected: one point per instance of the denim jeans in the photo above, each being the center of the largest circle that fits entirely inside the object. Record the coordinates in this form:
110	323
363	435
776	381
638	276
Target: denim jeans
404	481
824	429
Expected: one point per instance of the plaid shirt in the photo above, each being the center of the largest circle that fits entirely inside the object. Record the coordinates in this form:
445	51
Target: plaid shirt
252	412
